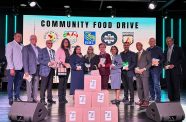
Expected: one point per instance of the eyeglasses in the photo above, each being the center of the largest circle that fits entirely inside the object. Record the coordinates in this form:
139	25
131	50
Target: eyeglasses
49	43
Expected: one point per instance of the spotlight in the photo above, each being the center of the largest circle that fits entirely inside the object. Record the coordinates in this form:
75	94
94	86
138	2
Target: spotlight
152	5
67	10
32	3
113	13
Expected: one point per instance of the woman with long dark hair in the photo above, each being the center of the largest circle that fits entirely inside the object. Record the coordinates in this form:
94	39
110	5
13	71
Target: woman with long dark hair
77	72
62	58
115	73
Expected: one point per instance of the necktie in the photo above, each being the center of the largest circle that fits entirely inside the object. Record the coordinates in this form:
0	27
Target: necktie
51	55
139	55
169	54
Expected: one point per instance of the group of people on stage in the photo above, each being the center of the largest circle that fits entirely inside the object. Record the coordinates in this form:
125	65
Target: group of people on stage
146	65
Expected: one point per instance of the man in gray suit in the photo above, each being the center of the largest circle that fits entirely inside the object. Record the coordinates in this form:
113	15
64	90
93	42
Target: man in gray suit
142	75
46	60
31	68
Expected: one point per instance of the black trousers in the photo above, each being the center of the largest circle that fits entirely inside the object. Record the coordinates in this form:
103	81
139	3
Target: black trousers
173	85
46	84
128	86
62	86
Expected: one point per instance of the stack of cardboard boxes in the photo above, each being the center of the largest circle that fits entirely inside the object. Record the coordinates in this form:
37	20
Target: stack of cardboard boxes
92	104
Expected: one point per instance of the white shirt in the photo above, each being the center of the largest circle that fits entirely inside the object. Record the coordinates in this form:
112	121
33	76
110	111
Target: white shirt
13	55
169	53
51	54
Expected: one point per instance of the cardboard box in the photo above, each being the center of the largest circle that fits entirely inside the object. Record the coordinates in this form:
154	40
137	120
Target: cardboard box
100	99
91	114
73	114
109	114
82	98
92	83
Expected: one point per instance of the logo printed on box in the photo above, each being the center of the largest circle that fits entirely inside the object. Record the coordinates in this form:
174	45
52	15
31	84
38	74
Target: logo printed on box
91	115
108	115
92	84
72	116
82	99
100	98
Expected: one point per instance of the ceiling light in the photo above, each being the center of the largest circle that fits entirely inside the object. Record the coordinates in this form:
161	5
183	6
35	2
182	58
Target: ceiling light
23	5
152	5
109	7
32	3
66	6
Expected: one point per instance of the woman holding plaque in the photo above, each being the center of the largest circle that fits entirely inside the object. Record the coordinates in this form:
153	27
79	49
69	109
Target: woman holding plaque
77	72
91	60
115	73
104	65
62	58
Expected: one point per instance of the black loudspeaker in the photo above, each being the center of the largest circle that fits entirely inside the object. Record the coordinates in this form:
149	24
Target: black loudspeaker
167	111
27	112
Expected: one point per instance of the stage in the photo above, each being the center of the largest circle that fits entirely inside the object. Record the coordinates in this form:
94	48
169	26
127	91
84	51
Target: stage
57	111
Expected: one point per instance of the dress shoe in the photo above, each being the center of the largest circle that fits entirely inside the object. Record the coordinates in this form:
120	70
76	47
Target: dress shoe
43	102
35	101
140	102
129	103
145	104
51	101
125	100
10	101
18	99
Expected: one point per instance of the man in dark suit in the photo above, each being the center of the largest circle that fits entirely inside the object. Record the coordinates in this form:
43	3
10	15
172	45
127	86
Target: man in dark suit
155	70
46	60
129	63
174	57
142	75
31	67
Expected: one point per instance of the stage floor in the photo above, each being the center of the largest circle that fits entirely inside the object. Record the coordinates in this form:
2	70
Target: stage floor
57	112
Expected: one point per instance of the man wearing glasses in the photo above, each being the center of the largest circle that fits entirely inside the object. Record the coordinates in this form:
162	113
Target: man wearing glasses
46	60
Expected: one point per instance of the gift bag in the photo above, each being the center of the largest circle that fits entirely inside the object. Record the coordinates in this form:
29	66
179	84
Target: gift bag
61	70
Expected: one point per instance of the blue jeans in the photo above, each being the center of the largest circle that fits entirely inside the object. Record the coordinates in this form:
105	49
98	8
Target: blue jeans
154	85
15	81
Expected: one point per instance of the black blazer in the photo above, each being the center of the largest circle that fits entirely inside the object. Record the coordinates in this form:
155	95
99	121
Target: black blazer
93	63
177	57
130	57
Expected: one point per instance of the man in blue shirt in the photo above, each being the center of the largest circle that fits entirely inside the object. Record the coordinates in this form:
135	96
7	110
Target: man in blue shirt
155	70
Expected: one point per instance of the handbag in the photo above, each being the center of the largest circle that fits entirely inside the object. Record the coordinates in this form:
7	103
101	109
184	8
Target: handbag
62	70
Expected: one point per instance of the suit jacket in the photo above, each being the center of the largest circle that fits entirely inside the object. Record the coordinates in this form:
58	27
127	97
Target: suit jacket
129	57
13	55
30	59
145	61
105	70
117	61
177	57
44	59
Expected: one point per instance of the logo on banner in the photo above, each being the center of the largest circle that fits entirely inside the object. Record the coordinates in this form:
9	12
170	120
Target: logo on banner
128	37
89	37
51	35
109	38
71	35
